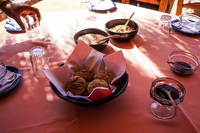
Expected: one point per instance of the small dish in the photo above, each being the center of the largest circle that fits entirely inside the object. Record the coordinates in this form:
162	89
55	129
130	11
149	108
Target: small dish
121	85
102	5
10	88
185	31
183	63
127	36
100	46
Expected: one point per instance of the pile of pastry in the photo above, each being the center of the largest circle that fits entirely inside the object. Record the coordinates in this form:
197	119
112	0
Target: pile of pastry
84	81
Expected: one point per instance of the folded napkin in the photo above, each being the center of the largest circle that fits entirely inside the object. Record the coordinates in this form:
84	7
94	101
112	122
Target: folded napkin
90	59
12	25
9	74
101	4
187	26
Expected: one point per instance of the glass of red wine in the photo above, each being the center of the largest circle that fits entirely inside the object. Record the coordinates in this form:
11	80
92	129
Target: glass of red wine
162	106
183	63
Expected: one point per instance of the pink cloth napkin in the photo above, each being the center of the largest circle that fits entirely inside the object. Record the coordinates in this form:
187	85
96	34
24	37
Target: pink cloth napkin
85	56
9	74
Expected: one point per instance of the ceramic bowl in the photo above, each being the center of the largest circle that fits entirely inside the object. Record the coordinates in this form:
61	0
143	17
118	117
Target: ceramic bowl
124	36
99	46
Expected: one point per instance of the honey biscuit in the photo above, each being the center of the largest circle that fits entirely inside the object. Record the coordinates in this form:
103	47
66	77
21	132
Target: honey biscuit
96	83
107	76
76	85
86	74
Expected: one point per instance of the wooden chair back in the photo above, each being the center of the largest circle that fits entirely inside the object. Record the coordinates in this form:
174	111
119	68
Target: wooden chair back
164	5
181	5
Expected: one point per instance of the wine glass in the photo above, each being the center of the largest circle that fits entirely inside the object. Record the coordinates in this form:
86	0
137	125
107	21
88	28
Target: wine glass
87	4
31	26
90	7
162	106
165	23
39	61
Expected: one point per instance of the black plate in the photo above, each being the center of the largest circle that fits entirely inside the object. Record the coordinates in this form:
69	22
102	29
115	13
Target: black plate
121	85
12	69
180	30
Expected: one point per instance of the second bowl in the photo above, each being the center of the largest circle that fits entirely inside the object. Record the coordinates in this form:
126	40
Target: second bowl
124	36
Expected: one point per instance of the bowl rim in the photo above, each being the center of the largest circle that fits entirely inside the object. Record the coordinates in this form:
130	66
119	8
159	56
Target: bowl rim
76	34
135	29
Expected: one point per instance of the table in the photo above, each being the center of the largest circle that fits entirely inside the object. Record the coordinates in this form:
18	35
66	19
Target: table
33	107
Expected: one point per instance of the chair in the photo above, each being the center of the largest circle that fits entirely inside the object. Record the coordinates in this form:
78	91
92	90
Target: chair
2	16
181	5
164	5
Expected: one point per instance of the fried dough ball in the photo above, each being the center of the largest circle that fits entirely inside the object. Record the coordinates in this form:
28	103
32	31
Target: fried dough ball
86	74
96	83
76	85
107	76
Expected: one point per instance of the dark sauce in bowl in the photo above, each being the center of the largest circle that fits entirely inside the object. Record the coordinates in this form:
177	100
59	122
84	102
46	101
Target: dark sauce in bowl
185	70
159	90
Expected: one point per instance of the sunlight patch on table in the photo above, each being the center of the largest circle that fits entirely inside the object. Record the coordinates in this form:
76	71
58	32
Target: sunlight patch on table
145	66
49	96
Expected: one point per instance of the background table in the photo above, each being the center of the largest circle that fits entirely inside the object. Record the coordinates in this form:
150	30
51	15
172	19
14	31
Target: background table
33	107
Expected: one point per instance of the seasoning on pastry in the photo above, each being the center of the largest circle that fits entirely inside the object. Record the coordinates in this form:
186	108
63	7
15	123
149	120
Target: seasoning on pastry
96	83
86	74
107	76
76	85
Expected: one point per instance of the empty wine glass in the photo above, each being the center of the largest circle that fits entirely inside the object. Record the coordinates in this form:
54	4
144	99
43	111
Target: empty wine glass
87	4
39	61
162	106
84	4
90	7
165	23
31	24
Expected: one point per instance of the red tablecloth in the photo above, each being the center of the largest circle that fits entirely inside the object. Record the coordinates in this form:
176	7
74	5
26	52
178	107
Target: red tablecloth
33	107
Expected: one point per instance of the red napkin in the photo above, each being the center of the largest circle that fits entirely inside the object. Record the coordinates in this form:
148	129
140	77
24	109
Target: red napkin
86	57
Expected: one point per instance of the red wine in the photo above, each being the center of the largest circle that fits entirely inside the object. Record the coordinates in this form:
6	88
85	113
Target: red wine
159	90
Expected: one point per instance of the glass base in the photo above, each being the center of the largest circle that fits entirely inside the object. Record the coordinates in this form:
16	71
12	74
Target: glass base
162	111
39	74
91	18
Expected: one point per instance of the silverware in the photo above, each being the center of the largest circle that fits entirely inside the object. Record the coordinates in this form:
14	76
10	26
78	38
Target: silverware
168	92
178	65
128	21
106	38
124	28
